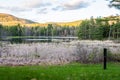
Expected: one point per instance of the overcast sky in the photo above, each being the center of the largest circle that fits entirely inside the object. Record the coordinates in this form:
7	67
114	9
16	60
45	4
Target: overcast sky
57	10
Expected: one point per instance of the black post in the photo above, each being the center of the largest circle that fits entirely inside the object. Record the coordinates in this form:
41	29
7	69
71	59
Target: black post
105	59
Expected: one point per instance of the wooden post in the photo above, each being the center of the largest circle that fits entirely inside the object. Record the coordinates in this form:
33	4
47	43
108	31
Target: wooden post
105	59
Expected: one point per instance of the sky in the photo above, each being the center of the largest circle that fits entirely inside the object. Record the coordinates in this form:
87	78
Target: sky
57	10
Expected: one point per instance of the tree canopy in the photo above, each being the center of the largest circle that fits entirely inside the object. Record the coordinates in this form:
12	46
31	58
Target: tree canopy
114	3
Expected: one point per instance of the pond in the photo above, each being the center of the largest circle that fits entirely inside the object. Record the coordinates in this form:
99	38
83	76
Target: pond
25	39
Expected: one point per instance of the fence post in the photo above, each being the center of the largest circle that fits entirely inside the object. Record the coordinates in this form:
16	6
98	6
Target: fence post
105	59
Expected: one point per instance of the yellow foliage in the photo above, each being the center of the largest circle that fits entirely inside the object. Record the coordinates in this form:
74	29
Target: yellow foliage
10	20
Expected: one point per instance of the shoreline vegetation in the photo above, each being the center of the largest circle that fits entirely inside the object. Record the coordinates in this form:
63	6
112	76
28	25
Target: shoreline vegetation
84	51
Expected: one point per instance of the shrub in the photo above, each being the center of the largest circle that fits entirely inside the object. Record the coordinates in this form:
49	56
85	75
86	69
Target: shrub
88	55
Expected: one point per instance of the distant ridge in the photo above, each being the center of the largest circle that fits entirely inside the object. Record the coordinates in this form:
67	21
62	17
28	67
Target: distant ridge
9	20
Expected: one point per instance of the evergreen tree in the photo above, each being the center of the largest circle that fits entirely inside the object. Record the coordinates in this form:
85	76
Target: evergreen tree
0	31
114	3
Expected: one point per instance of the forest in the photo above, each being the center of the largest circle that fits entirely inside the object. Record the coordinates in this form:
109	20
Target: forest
89	29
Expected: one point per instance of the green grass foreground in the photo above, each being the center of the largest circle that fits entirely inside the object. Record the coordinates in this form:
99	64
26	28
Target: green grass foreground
73	71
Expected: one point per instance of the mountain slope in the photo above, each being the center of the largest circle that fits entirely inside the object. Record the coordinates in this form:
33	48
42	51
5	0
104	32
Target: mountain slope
7	19
74	23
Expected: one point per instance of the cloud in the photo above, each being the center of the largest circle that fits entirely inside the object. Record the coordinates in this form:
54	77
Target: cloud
35	3
57	8
71	5
43	6
75	4
14	8
32	3
24	5
18	9
1	7
42	11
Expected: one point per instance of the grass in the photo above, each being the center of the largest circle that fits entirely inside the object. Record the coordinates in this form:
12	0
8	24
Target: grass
73	71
